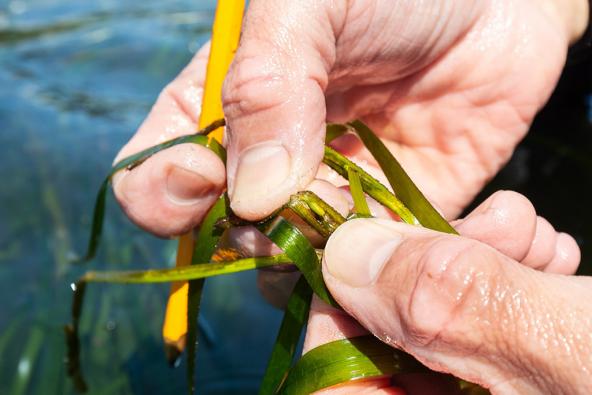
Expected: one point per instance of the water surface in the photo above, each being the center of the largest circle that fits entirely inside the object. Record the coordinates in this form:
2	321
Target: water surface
77	78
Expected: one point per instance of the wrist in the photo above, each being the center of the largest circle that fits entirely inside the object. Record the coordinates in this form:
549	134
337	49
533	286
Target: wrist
573	15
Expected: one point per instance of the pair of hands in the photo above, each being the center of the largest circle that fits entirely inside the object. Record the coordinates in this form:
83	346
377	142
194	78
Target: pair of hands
450	87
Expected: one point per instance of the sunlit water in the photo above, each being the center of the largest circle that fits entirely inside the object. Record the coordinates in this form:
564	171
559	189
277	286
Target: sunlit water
76	79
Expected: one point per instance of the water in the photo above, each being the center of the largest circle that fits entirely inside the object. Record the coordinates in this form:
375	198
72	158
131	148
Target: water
76	79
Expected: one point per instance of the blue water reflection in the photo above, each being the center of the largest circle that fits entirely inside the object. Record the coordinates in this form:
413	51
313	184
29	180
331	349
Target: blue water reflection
76	80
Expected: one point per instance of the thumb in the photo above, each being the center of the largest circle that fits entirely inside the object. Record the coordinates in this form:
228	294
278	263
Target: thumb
459	306
274	102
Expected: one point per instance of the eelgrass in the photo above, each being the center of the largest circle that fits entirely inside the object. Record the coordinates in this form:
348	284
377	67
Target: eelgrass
330	364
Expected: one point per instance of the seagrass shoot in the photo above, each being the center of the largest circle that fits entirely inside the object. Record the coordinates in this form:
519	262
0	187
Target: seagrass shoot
331	364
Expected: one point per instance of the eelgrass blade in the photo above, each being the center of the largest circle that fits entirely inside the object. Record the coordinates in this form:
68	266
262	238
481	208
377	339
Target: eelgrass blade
135	160
201	138
73	340
346	360
209	234
22	381
205	246
282	355
355	187
371	185
9	333
97	222
401	183
315	212
297	247
185	273
334	130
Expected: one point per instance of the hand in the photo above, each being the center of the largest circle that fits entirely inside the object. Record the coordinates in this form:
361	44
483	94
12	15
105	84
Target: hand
451	87
464	305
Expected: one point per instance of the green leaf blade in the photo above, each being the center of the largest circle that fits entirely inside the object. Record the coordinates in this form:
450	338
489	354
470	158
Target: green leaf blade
355	188
282	355
97	222
346	360
184	273
297	247
371	186
334	130
205	246
401	183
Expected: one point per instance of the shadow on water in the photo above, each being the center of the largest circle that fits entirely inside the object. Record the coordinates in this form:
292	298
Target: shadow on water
77	78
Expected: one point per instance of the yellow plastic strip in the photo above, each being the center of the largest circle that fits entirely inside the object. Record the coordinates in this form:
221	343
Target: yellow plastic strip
225	38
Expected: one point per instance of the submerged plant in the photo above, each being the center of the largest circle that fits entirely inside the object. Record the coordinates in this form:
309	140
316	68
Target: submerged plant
330	364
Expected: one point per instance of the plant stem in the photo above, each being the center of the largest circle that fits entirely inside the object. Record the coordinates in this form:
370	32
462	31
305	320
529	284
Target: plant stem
315	212
357	192
371	185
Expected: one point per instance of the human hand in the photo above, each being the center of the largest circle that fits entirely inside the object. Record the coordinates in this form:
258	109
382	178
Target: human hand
451	90
451	87
471	306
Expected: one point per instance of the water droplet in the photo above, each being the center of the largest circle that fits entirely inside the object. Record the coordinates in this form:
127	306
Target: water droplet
24	366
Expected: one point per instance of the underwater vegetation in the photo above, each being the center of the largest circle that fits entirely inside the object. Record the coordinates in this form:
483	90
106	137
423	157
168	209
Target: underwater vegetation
330	364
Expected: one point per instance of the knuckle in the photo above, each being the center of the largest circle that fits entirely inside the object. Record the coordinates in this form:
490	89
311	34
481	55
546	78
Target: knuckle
252	86
507	197
450	292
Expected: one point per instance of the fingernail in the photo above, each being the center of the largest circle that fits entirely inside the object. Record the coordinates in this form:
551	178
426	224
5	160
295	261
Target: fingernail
357	252
262	168
186	187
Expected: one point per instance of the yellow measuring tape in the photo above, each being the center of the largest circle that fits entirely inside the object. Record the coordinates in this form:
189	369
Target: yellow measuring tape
225	37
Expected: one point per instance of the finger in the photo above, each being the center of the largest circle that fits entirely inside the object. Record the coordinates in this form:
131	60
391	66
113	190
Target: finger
542	248
275	286
421	167
378	386
250	242
327	324
274	102
331	195
505	215
172	191
508	222
427	383
376	209
567	256
456	304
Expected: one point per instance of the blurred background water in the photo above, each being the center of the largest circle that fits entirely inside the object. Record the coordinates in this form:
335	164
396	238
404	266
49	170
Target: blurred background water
76	79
